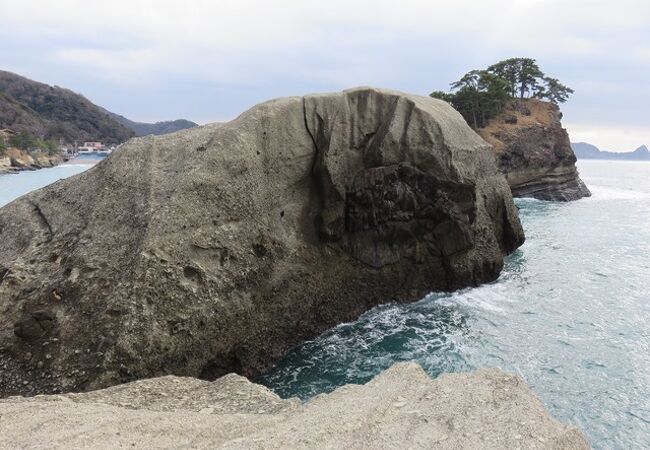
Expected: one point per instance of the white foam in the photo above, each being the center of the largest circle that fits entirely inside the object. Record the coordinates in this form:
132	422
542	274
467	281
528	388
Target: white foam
610	193
489	298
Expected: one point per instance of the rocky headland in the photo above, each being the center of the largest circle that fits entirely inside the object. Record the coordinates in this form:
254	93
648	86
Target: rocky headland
14	160
534	151
400	408
216	249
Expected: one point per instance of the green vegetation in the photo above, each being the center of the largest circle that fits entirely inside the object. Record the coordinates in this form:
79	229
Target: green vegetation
50	147
28	142
481	94
3	146
23	141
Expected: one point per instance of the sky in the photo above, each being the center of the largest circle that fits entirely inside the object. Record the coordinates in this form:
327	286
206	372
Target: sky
210	60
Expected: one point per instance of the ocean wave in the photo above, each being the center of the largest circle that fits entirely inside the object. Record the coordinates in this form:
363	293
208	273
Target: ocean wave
609	193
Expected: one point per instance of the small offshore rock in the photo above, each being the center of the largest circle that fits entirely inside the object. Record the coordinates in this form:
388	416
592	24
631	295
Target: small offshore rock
534	152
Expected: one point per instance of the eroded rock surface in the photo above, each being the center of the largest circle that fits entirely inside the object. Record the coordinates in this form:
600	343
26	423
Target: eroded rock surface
534	151
400	408
216	249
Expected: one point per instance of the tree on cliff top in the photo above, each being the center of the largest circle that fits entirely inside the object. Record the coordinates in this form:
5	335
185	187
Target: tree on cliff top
481	94
522	75
555	91
478	96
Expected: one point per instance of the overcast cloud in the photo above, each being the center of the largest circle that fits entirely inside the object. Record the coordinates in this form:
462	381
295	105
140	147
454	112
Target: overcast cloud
210	60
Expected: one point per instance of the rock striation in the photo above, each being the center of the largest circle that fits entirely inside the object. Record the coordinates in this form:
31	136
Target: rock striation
216	249
534	151
400	408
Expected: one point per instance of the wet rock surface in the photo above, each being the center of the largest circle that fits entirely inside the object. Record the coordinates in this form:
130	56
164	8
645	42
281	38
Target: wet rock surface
216	249
400	408
534	151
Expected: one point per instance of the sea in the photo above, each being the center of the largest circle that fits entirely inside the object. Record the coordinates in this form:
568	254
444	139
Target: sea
16	184
570	313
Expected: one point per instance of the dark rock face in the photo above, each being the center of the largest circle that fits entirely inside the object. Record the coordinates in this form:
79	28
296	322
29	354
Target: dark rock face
388	208
534	152
216	249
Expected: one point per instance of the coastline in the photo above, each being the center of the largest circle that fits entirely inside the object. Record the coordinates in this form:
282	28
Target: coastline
16	184
15	160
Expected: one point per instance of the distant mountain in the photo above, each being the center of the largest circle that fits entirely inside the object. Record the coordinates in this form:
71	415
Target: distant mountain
588	151
52	112
145	129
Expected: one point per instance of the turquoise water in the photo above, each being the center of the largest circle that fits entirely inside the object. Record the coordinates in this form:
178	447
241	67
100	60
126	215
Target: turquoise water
570	314
14	185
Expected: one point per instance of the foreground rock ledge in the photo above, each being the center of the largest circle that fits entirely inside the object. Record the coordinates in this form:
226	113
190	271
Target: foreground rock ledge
216	249
400	408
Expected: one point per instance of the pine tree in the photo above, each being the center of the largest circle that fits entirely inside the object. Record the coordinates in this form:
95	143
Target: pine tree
528	74
478	96
555	91
481	94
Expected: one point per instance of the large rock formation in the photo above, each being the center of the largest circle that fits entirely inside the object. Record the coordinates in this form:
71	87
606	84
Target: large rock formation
534	151
215	249
400	408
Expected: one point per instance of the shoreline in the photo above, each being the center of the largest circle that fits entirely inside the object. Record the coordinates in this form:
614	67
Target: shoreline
15	161
18	183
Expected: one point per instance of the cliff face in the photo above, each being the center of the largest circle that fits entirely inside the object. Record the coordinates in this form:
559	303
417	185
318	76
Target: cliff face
400	408
218	248
534	151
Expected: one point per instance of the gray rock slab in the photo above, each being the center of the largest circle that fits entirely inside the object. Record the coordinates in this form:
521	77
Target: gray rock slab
400	408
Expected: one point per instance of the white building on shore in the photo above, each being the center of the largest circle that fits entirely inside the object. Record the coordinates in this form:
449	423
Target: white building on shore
92	147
